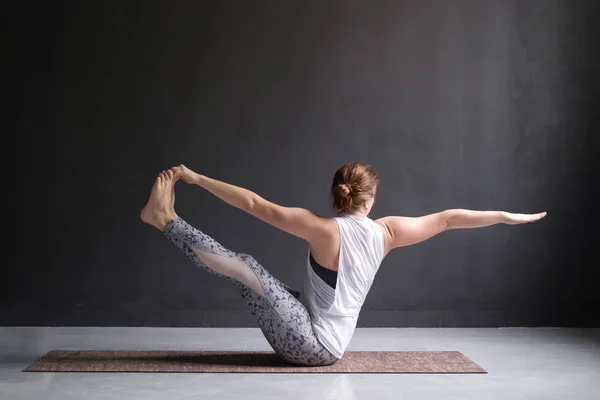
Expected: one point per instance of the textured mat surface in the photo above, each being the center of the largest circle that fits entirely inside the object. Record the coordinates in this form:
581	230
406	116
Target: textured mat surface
399	362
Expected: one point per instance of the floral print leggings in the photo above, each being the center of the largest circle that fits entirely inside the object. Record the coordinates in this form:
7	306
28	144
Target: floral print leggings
283	319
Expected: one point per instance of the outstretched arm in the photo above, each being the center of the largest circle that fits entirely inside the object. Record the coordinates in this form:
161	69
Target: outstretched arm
296	221
405	231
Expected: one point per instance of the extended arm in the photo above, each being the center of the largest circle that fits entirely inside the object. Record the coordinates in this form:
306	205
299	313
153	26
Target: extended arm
405	231
296	221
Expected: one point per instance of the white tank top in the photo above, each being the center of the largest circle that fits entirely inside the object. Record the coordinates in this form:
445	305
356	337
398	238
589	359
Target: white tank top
334	313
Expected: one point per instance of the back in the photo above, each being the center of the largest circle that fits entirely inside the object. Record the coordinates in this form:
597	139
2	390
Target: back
335	312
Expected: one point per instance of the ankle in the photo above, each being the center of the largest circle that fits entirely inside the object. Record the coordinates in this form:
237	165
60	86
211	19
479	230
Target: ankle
164	220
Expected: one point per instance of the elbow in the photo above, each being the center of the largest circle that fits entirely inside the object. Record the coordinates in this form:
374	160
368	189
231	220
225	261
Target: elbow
447	225
251	204
447	220
258	207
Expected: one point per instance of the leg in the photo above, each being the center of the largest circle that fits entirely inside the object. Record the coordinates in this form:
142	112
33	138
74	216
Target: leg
208	254
283	319
214	258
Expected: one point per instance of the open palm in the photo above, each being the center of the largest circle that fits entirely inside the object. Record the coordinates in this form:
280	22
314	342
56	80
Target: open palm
514	219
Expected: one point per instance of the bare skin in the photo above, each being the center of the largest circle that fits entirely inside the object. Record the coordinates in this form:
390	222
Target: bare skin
160	207
322	234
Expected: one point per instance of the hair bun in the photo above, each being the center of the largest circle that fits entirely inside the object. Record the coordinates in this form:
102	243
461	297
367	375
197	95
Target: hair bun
344	189
353	185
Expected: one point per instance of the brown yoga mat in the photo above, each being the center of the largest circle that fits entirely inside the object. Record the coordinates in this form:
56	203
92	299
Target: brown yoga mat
397	362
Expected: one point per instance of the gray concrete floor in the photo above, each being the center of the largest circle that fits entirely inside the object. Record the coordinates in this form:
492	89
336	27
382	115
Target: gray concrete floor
522	363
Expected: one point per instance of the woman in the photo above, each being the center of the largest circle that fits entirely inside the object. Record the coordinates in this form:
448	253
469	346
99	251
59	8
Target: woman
313	327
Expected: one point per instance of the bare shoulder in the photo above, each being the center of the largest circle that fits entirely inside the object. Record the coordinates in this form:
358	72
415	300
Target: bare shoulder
329	229
325	244
324	230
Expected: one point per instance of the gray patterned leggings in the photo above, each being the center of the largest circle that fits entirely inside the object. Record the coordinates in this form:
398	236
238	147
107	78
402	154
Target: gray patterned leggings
281	316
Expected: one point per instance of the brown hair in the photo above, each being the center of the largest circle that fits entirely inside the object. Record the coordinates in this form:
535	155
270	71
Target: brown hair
353	184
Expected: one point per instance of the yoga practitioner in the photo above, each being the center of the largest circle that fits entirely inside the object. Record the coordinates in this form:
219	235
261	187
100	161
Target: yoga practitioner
313	327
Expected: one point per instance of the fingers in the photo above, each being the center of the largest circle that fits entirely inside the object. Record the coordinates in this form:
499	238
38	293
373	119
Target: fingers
514	218
542	215
537	217
175	173
525	218
180	172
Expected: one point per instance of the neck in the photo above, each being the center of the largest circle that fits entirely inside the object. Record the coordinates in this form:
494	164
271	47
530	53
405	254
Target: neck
359	214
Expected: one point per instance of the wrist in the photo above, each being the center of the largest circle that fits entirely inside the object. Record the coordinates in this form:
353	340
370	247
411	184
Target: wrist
503	216
199	179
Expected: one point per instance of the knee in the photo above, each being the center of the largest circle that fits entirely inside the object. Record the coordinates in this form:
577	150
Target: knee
251	262
246	258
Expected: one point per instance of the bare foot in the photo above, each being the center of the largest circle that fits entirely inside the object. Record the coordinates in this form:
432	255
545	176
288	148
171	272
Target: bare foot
159	209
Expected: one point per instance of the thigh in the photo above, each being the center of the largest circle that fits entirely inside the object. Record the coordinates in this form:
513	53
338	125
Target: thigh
210	255
284	320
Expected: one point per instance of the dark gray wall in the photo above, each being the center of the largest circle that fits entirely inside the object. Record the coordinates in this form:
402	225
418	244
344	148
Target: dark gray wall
458	104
